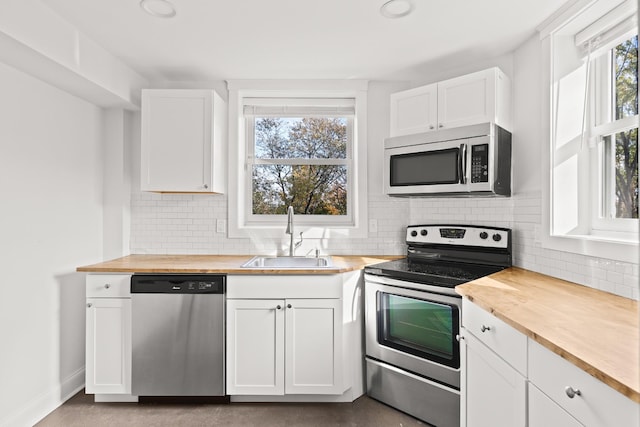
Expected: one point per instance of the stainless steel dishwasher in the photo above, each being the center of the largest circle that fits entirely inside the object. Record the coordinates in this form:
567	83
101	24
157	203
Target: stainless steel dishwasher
178	324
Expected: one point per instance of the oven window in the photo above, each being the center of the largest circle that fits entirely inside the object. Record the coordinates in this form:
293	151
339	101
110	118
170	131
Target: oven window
420	327
424	168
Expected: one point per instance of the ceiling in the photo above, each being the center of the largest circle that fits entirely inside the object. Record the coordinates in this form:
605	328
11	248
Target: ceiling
307	39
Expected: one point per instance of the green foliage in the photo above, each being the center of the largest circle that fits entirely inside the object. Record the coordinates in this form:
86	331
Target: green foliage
626	149
310	189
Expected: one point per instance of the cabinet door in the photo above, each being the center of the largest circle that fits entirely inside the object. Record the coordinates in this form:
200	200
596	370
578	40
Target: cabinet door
255	347
108	346
493	392
176	140
467	100
544	412
313	346
414	110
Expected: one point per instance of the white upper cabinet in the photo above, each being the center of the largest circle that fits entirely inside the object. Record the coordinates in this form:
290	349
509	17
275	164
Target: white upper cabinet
484	96
414	110
182	141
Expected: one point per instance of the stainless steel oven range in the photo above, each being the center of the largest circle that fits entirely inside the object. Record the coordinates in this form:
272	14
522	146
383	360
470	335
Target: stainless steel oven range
413	314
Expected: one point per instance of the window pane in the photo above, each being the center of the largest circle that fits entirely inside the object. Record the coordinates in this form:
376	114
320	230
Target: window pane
626	174
626	78
301	137
310	189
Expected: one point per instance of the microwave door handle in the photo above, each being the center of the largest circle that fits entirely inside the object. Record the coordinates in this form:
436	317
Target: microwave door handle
462	163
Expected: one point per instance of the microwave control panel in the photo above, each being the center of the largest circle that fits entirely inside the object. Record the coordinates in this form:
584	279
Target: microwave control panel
480	163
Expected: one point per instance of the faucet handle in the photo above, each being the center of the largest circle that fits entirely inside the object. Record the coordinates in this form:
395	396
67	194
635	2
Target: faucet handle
297	245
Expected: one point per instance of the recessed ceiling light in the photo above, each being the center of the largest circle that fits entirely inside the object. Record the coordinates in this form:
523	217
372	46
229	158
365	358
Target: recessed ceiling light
396	8
158	8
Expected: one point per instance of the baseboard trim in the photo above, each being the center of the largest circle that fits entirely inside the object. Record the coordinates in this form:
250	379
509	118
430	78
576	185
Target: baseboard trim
346	397
42	405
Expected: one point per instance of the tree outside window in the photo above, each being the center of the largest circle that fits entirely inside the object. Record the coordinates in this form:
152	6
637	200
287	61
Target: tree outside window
625	168
300	162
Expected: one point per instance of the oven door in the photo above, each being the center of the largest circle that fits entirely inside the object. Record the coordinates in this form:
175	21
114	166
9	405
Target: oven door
413	329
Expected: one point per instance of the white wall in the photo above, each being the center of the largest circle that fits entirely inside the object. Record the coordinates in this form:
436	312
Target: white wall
50	223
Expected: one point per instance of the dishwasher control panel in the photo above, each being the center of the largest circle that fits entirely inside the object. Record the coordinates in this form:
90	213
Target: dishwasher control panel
177	284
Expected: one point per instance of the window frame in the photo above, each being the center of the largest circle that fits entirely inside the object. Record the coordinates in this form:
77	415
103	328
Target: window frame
602	87
242	222
254	219
575	17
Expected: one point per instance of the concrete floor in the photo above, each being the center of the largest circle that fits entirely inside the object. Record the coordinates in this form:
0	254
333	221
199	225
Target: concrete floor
81	410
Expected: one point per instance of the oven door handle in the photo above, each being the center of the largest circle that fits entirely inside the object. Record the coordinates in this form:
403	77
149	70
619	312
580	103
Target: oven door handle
462	163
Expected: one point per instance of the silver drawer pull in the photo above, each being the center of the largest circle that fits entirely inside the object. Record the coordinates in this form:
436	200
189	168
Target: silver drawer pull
485	328
89	305
278	307
107	286
572	392
459	337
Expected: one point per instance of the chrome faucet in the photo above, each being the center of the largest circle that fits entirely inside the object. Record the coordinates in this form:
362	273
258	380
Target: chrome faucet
292	246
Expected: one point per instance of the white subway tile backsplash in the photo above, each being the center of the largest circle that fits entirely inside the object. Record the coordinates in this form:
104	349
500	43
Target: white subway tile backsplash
186	224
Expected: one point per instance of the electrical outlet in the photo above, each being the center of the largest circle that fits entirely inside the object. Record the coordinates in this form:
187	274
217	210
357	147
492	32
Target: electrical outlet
373	226
221	226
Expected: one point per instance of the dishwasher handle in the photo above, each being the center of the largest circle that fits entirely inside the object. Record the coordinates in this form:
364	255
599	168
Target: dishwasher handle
178	284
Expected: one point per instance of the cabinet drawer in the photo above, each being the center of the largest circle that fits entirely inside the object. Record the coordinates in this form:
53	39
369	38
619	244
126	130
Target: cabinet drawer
504	340
543	412
597	405
108	285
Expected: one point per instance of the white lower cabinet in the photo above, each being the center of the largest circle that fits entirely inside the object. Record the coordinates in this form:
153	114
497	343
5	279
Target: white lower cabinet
284	346
313	346
509	380
581	396
494	393
108	335
255	347
544	412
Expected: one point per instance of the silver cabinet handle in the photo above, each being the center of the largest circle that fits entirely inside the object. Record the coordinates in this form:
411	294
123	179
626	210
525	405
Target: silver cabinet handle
572	392
459	337
89	305
288	305
440	125
107	286
485	328
205	186
278	307
431	127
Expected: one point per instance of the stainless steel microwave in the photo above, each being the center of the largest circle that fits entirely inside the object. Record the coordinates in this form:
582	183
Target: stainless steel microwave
463	161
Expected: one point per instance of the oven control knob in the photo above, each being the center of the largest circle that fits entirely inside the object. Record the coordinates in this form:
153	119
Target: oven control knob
497	237
484	235
414	233
423	232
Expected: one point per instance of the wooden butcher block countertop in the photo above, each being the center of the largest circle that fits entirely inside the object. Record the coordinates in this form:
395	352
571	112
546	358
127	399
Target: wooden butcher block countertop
222	264
595	330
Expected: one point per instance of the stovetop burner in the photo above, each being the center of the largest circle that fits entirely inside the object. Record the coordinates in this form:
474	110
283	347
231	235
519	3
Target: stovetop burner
439	273
447	256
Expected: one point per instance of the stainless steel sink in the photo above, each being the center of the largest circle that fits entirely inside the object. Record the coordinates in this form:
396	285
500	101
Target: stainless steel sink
295	262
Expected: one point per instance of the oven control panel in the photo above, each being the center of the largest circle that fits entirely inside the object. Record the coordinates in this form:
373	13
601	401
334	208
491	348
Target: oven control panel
465	235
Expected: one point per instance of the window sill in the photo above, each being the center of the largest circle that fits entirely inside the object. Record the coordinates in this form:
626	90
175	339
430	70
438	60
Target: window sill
616	248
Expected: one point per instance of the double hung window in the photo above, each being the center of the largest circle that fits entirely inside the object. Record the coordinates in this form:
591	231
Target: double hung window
299	154
593	192
615	132
301	144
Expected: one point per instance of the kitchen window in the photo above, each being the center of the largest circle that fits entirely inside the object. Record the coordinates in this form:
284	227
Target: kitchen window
301	146
591	201
614	136
299	153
